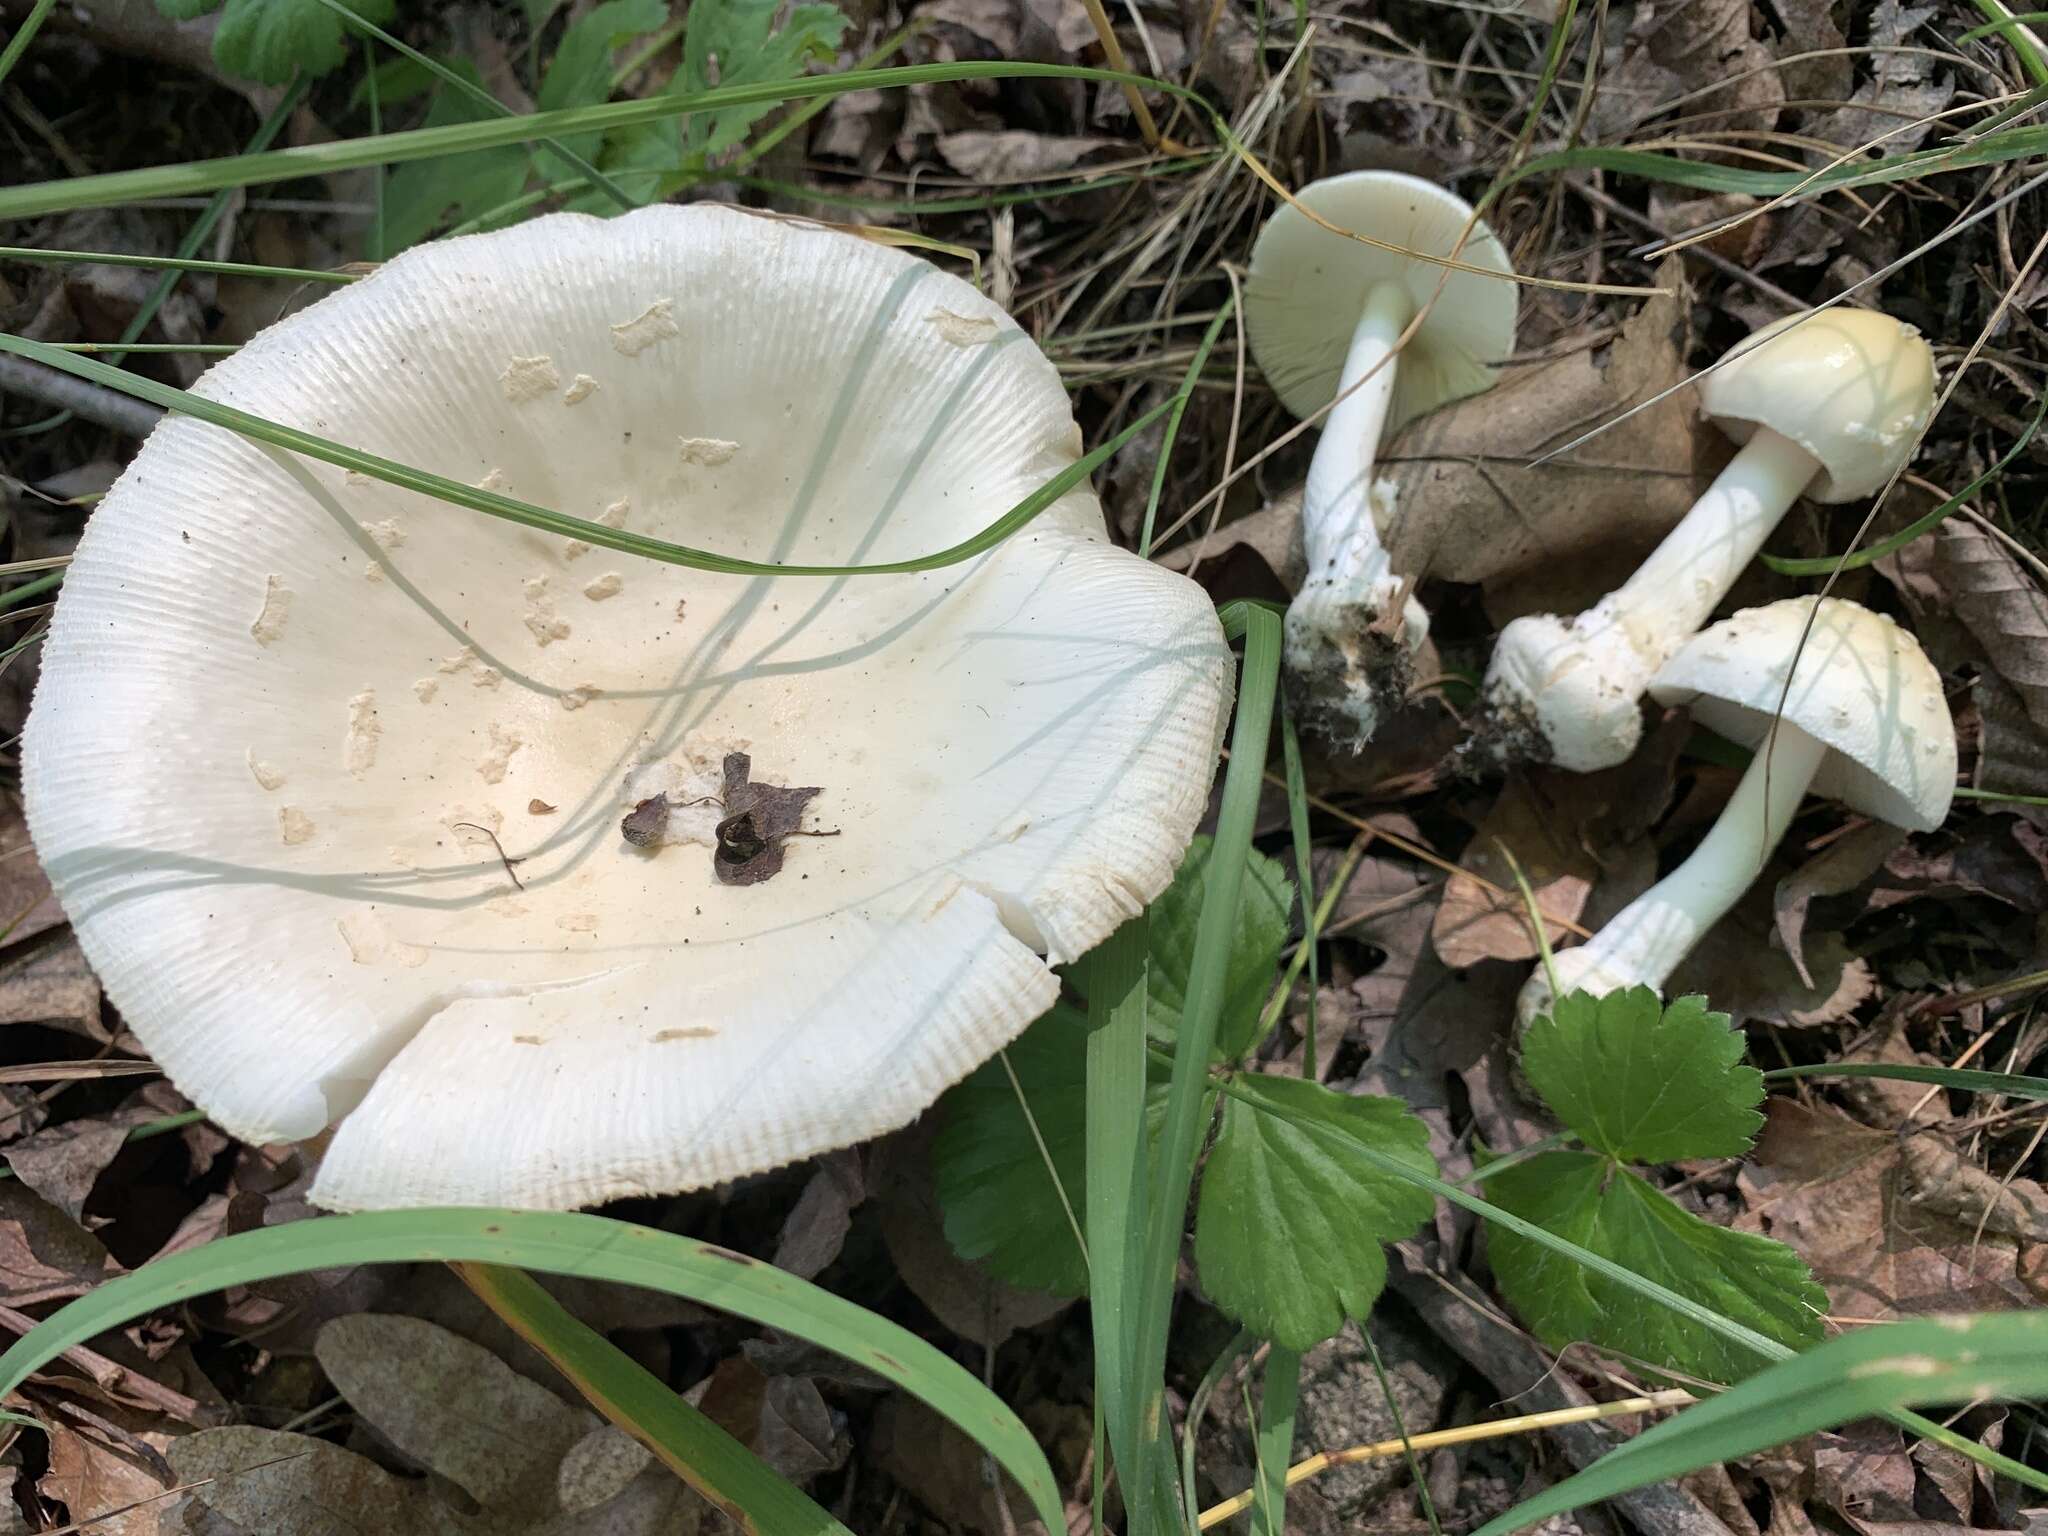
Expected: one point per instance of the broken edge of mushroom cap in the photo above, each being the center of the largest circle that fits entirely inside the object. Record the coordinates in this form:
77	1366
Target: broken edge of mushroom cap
585	1037
1853	387
1864	688
1307	287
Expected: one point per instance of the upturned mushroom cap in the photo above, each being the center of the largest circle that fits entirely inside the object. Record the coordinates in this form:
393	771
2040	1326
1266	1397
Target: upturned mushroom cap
289	718
1308	285
1851	386
1863	688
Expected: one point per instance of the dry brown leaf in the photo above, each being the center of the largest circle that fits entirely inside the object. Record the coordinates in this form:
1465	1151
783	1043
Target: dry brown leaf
1013	154
932	1459
965	1297
47	981
2012	751
25	899
816	1227
1986	856
63	1162
2003	606
504	1444
44	1255
781	1419
1489	921
1836	1191
1673	50
1942	1180
1468	509
1905	83
1836	870
1557	536
93	1480
1746	975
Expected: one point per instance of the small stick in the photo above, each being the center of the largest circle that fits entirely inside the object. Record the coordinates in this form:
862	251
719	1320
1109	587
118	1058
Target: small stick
508	862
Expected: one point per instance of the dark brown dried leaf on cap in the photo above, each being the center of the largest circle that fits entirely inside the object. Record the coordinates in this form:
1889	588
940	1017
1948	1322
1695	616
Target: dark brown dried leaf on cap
758	817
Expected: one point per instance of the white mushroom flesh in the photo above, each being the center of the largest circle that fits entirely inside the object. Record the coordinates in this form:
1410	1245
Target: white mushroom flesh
446	945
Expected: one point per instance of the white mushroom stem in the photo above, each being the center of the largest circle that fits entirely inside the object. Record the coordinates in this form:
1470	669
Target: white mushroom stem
1644	942
1586	679
1350	583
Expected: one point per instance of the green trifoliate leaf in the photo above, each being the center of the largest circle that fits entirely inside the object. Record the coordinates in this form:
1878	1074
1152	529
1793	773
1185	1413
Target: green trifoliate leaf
1255	945
1586	1199
999	1202
1291	1222
1643	1082
736	42
272	40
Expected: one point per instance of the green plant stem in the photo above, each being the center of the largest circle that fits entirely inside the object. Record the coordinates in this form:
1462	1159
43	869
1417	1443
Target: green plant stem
25	34
682	1437
2000	797
1188	1094
1118	1184
15	596
1855	560
1180	406
525	513
1198	1411
1312	916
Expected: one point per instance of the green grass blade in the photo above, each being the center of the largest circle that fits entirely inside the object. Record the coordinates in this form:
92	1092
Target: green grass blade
2007	1083
15	596
117	187
1166	1219
24	34
1275	1442
1180	404
1304	879
1991	149
2012	29
686	1440
528	515
559	1243
1828	565
1875	1370
1117	1186
171	263
481	98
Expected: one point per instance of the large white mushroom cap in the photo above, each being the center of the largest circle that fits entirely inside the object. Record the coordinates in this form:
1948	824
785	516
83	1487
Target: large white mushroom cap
1862	687
1853	387
1308	286
285	712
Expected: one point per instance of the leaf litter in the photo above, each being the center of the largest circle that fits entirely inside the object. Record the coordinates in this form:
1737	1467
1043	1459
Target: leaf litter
1424	958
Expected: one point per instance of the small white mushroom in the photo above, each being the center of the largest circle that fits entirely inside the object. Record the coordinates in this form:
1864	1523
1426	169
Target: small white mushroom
1865	722
1012	753
1323	312
1828	408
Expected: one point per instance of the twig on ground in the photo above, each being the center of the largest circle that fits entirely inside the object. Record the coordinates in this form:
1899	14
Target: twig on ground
101	406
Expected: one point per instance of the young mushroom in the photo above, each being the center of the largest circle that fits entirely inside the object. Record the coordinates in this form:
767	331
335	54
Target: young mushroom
1864	722
1324	312
546	874
1828	406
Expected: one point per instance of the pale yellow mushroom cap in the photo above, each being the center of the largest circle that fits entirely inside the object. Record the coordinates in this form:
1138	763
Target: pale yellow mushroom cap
1308	287
1851	386
1863	687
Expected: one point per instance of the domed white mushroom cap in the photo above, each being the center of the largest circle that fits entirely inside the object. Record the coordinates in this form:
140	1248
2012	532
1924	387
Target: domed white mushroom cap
289	718
1308	286
1863	688
1851	386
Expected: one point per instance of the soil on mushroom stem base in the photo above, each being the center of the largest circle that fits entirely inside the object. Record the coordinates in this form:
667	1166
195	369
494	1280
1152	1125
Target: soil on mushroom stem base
1858	945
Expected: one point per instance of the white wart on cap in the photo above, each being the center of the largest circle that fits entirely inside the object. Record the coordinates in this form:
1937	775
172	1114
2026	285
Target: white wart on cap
1825	405
1324	312
289	719
1865	721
